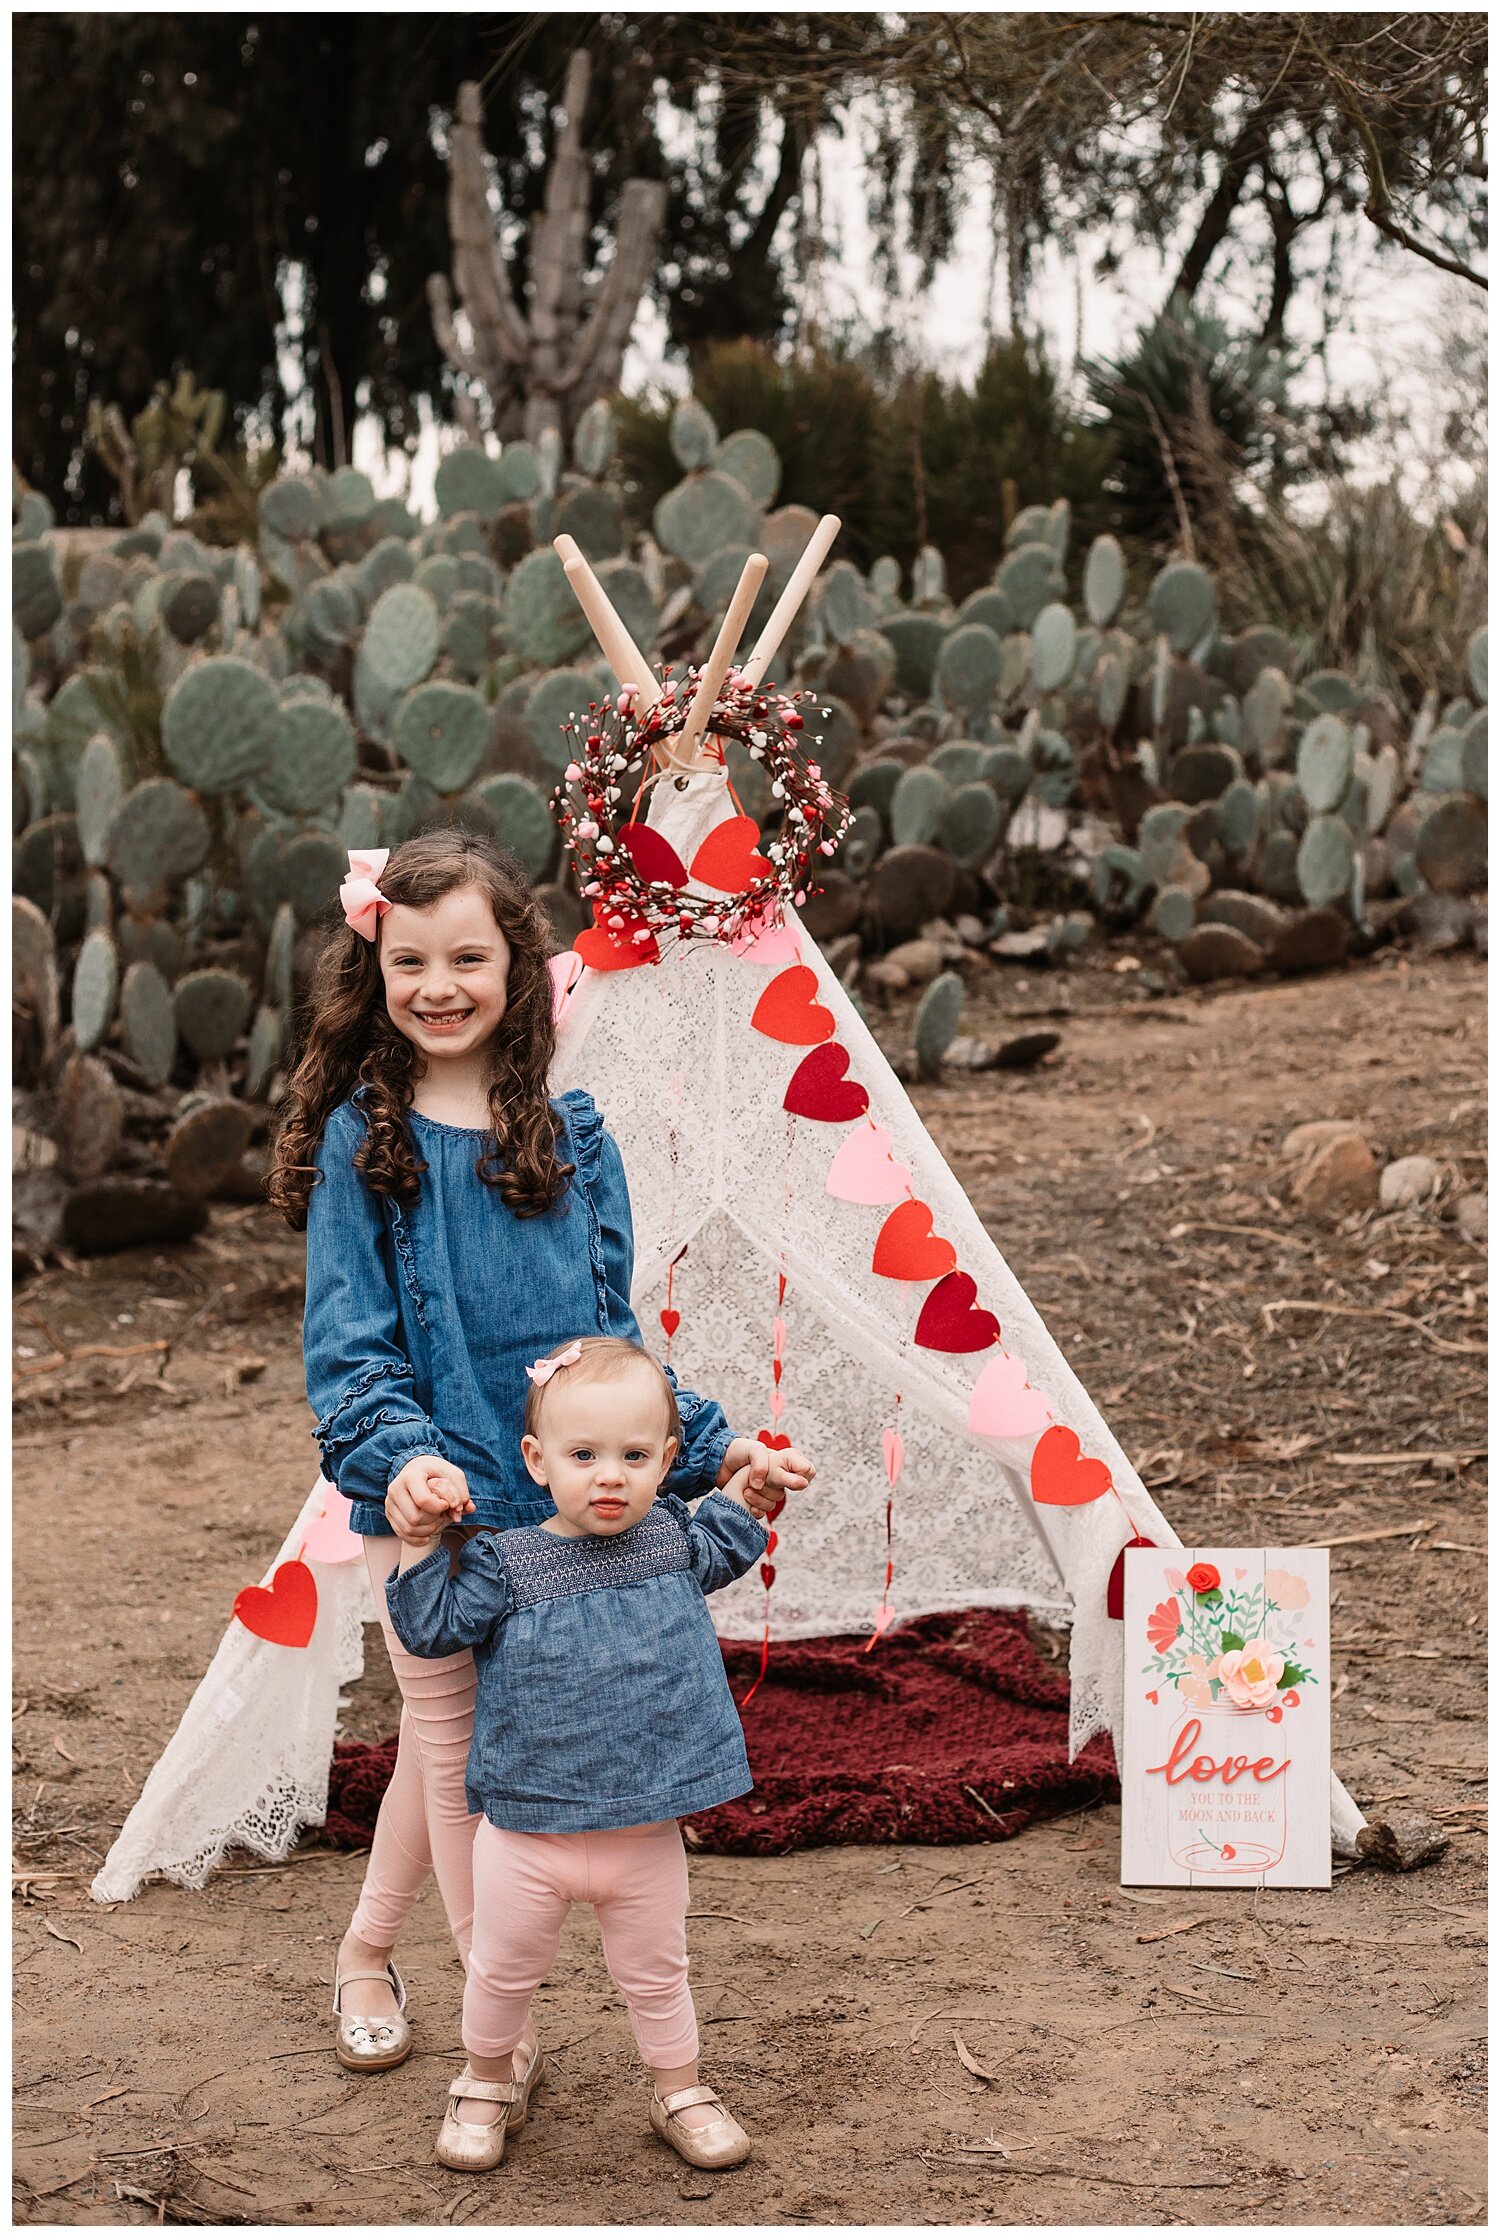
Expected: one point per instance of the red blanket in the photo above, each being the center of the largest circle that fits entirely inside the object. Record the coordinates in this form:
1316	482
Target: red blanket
951	1729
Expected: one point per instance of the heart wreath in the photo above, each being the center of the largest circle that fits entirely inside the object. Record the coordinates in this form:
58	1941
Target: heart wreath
738	880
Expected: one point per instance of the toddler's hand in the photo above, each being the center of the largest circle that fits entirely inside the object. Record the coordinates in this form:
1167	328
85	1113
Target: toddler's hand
768	1472
428	1495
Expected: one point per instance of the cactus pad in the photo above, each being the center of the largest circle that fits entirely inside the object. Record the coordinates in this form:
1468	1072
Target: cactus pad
35	596
315	757
1182	604
1263	711
329	617
916	640
514	812
694	437
401	638
1104	581
1030	578
969	827
702	514
441	732
520	473
873	785
1054	768
220	724
558	697
1330	692
148	1023
468	480
1239	816
309	869
390	562
291	507
1443	762
438	576
280	951
1054	647
96	983
936	1022
594	440
212	1009
844	603
207	1144
471	631
264	1054
1325	763
1325	861
1173	913
1111	688
751	459
593	516
543	620
917	805
157	833
189	606
99	788
1477	664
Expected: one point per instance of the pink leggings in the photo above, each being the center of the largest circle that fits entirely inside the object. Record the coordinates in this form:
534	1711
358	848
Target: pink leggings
525	1885
424	1823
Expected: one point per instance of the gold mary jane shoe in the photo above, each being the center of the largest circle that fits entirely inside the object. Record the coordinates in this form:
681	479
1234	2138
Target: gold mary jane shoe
366	2046
481	2144
718	2144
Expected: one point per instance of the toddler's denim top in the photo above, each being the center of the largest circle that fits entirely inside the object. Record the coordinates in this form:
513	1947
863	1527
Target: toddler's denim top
602	1696
420	1323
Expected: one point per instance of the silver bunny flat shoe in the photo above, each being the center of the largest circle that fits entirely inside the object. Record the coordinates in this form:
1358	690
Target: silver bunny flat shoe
363	2044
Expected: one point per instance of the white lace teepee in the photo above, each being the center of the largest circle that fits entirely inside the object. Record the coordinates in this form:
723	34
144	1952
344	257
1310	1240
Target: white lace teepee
248	1765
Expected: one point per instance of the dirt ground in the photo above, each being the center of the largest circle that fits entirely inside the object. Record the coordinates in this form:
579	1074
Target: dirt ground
1288	2058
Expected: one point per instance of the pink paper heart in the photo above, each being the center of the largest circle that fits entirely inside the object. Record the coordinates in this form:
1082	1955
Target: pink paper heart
778	1336
767	943
894	1447
778	1404
1004	1404
865	1170
330	1539
883	1618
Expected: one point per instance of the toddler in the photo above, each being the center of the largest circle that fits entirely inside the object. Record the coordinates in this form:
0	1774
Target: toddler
603	1716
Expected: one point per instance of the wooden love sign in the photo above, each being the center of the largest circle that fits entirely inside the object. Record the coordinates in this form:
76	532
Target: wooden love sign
1225	1773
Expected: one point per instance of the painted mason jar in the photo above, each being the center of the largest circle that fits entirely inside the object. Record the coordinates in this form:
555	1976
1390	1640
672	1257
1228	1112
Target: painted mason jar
1231	1820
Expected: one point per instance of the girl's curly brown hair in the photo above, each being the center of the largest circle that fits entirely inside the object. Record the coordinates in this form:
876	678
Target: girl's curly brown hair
351	1043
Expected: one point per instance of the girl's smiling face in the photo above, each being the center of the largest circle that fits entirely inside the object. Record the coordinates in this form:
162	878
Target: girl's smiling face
445	971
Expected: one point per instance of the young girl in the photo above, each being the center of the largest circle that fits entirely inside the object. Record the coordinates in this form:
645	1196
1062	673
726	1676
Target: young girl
603	1715
458	1224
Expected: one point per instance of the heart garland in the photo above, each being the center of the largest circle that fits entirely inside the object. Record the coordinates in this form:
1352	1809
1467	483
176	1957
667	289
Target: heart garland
951	1321
283	1612
907	1250
788	1012
818	1089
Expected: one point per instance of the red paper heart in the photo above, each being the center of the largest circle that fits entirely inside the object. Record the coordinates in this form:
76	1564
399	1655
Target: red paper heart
907	1250
818	1089
283	1612
768	1575
654	857
774	1439
671	1320
950	1321
1114	1592
603	950
1060	1475
727	860
1152	1697
787	1011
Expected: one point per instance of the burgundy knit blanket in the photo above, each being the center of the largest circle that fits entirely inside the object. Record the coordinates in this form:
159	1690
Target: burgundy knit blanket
951	1729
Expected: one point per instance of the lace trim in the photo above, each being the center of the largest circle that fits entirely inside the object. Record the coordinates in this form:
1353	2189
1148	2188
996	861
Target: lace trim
543	1567
585	1123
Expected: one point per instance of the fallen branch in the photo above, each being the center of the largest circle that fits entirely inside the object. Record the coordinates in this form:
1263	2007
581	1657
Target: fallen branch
1160	1934
1363	1313
91	1352
1082	2175
1392	1531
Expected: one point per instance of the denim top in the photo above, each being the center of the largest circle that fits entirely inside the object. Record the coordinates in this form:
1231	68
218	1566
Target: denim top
420	1324
602	1697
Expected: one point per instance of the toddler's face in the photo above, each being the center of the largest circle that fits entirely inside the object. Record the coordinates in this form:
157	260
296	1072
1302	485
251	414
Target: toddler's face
445	971
602	1452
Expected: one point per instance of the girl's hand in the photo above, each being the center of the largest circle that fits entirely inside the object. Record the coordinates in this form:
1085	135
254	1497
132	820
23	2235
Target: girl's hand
769	1473
428	1495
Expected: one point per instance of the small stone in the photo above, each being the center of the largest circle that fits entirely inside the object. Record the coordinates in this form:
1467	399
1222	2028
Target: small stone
883	973
1339	1178
1312	940
1400	1842
968	1053
1024	1050
970	930
1021	947
1066	935
1409	1181
1472	1212
1219	952
1257	919
1437	923
921	960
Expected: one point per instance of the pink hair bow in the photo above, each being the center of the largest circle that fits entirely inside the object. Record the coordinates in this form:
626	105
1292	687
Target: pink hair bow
364	903
541	1371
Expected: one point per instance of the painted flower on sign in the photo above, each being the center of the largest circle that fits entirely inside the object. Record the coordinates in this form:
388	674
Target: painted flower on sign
1163	1625
1203	1578
1286	1589
1251	1674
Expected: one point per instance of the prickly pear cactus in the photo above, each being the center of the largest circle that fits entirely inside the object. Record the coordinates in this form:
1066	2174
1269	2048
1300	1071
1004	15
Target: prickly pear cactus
219	725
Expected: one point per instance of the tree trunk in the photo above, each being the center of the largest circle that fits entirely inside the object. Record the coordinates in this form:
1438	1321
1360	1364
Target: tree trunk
1213	226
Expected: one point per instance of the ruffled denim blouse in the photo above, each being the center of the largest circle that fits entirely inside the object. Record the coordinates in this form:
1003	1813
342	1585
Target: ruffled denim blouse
602	1697
420	1324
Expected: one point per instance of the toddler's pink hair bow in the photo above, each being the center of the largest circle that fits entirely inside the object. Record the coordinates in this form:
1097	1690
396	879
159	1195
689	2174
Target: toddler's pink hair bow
542	1370
364	903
